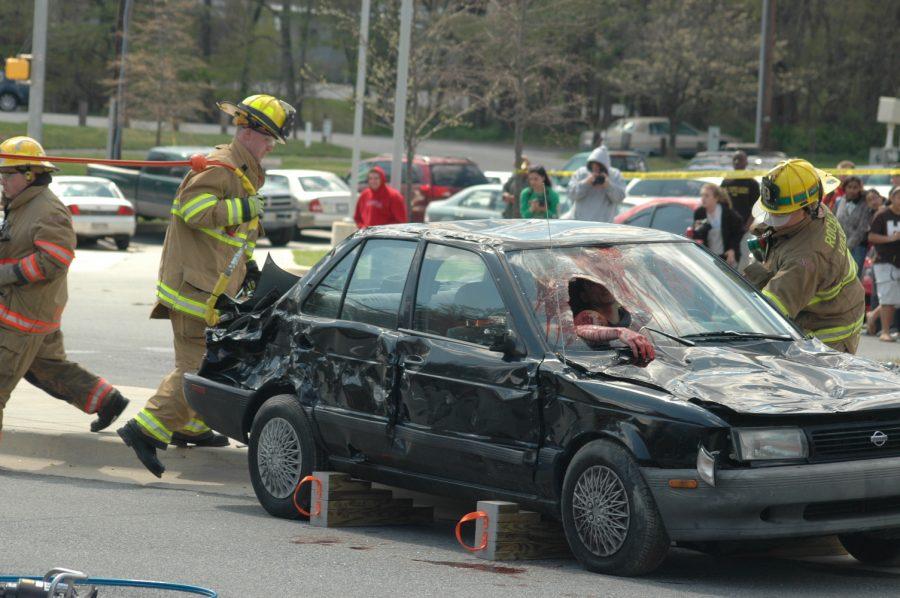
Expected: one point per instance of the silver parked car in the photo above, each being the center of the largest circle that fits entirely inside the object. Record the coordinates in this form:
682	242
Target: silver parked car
321	197
476	202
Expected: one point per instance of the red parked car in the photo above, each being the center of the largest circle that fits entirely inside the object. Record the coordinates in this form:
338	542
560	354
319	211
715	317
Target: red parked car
670	214
434	177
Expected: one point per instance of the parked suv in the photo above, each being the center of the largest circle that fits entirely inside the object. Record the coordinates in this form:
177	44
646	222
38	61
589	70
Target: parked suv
12	93
434	177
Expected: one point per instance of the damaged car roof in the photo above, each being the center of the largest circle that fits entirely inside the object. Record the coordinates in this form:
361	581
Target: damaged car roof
526	233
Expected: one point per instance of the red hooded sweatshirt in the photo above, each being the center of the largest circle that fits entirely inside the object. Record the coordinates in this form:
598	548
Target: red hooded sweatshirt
384	205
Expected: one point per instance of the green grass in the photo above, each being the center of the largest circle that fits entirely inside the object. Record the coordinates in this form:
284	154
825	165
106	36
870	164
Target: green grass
308	257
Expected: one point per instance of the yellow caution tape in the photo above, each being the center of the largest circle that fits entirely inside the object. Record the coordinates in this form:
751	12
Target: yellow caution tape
700	174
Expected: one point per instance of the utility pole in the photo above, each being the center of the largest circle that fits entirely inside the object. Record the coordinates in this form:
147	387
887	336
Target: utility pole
117	104
764	93
38	68
360	98
400	92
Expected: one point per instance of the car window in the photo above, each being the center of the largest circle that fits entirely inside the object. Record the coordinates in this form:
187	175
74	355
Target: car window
325	300
158	170
456	296
275	183
456	175
84	189
675	287
660	128
686	129
642	218
666	188
322	183
376	287
481	199
673	219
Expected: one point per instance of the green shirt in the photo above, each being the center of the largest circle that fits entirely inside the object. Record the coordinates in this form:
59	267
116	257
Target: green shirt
525	203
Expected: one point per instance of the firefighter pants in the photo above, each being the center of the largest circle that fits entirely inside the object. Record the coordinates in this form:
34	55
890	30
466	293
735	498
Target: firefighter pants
167	411
41	359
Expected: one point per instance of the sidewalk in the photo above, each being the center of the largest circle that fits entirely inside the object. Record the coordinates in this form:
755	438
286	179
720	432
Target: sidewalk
43	435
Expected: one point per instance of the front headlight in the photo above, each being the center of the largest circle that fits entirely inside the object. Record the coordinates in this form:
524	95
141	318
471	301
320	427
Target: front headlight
756	444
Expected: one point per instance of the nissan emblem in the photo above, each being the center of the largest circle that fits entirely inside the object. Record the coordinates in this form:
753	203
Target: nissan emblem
878	438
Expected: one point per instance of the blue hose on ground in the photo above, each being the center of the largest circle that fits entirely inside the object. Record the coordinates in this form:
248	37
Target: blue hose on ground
127	583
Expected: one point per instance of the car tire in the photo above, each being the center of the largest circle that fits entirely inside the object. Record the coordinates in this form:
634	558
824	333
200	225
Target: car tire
603	475
873	548
282	451
85	241
122	242
8	102
281	237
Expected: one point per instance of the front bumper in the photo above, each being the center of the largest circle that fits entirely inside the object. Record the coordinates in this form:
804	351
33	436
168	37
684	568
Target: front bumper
780	501
279	220
221	407
103	226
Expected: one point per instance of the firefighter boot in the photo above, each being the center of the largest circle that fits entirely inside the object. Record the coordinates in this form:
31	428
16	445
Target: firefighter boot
110	411
208	438
144	447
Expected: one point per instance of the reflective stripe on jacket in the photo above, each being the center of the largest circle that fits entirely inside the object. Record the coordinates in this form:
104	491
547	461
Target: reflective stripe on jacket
42	246
206	228
811	277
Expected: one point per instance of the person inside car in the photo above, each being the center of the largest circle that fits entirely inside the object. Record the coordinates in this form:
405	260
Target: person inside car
599	319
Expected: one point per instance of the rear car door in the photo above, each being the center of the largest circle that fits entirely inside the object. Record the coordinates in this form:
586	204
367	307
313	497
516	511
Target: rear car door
467	412
351	333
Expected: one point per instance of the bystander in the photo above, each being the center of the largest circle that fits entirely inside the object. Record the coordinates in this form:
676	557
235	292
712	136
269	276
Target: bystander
884	234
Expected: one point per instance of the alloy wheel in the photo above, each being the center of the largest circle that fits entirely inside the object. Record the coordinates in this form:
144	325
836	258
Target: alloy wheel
601	511
279	457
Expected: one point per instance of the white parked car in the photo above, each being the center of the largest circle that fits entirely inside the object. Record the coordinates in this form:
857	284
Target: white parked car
497	177
99	210
646	134
321	197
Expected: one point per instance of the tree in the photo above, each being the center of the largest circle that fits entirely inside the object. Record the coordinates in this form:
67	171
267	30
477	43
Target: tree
442	81
690	53
162	64
527	70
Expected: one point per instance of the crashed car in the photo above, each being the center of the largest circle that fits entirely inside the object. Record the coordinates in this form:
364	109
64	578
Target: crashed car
445	358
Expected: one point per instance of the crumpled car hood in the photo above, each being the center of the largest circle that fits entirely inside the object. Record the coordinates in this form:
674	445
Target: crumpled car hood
761	377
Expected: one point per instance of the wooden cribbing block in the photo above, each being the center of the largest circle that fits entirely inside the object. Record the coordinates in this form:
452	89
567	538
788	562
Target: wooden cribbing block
518	535
347	502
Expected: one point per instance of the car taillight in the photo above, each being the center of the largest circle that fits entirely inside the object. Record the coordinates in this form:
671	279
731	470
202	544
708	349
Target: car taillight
689	233
125	211
315	206
425	190
74	209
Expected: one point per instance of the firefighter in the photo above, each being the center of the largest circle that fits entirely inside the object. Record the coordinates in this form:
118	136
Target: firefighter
210	219
37	244
807	270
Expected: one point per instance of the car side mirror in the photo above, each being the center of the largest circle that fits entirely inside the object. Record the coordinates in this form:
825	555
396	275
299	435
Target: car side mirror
505	341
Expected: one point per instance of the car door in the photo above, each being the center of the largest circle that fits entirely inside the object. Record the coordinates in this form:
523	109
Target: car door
467	412
349	337
478	204
673	218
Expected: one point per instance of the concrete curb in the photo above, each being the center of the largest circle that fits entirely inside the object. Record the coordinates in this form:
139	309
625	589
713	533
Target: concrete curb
43	435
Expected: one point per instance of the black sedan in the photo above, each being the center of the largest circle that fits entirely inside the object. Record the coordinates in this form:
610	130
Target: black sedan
446	358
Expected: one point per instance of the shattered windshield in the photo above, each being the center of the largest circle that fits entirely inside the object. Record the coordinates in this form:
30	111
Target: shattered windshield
676	288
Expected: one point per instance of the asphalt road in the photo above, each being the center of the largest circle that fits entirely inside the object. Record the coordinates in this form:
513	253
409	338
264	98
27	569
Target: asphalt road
230	545
489	156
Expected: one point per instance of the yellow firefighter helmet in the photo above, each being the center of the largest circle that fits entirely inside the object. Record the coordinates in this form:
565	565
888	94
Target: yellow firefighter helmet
31	153
263	113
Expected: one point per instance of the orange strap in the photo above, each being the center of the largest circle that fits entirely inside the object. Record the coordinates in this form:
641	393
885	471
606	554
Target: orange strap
473	516
318	504
197	162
